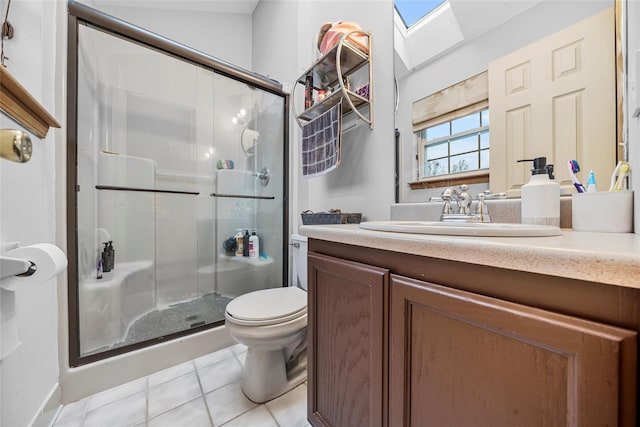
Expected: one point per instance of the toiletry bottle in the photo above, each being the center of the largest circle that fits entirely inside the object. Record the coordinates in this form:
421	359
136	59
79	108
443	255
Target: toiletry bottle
308	92
245	243
111	255
591	182
239	242
541	196
254	245
99	272
105	258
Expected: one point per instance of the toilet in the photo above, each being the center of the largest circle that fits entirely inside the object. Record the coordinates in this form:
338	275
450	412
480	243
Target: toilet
272	323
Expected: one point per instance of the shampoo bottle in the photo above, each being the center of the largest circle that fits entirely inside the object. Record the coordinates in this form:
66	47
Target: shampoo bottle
245	243
541	195
239	242
105	258
254	245
111	255
308	92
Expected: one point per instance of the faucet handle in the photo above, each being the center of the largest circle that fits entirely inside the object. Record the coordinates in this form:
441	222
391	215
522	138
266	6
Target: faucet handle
482	210
481	207
490	196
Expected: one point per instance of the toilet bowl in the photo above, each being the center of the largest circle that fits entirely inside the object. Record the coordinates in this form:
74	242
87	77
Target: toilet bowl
272	323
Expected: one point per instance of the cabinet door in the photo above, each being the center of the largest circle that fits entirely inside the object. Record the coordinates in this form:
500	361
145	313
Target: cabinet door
346	344
461	359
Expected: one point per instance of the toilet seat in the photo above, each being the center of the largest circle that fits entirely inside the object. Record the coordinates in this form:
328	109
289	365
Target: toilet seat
267	307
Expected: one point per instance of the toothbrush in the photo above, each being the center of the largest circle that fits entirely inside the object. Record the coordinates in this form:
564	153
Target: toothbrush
624	171
614	175
574	167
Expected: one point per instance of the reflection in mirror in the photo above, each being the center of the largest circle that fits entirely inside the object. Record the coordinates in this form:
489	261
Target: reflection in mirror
450	46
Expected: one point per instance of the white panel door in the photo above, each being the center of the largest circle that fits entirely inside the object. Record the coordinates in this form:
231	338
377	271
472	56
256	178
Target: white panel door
555	98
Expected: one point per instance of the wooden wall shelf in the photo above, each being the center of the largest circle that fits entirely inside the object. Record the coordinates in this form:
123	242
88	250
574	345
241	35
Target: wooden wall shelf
20	105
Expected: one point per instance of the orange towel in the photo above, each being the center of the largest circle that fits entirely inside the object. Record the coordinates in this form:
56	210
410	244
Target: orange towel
330	33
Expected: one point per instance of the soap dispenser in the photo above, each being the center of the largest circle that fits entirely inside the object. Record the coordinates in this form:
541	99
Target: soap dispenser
105	258
541	195
111	255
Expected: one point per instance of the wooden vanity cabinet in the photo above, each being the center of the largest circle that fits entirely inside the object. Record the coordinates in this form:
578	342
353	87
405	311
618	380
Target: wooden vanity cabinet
386	349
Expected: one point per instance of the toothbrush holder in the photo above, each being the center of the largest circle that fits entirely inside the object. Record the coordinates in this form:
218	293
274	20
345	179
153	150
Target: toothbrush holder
603	211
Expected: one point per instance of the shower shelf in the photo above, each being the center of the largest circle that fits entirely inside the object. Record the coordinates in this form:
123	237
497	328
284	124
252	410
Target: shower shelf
241	196
185	176
146	190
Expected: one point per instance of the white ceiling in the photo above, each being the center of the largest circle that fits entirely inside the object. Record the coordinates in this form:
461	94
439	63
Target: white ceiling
217	6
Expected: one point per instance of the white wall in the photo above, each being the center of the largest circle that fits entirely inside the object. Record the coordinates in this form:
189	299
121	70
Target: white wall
29	375
364	181
226	36
473	57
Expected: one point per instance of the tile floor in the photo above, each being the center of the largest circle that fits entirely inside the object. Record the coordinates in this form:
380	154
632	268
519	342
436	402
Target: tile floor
201	392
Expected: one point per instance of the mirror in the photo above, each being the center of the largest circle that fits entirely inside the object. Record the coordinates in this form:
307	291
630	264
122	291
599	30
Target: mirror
436	55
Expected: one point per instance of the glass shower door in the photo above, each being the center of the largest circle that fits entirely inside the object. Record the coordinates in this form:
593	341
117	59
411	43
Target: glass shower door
248	178
172	159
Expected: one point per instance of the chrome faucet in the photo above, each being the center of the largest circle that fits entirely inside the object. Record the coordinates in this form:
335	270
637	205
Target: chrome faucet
464	202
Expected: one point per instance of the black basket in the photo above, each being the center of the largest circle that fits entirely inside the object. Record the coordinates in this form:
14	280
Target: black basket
330	218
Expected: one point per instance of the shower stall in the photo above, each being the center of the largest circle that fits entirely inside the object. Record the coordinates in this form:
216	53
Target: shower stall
170	153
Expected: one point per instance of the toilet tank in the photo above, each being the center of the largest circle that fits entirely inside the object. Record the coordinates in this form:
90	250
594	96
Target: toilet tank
299	257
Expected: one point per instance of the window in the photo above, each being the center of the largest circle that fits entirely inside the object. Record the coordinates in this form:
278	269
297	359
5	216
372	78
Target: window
451	128
455	146
411	11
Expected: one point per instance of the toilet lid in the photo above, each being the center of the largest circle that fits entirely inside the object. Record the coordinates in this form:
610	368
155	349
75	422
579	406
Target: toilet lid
269	306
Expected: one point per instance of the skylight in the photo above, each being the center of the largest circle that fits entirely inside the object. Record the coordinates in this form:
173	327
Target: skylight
411	11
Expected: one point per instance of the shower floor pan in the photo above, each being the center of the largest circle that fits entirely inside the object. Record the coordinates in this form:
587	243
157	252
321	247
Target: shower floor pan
175	318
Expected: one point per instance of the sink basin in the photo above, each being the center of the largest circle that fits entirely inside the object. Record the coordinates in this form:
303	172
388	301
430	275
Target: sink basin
484	229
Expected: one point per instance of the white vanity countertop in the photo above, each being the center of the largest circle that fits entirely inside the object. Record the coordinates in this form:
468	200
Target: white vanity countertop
610	258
